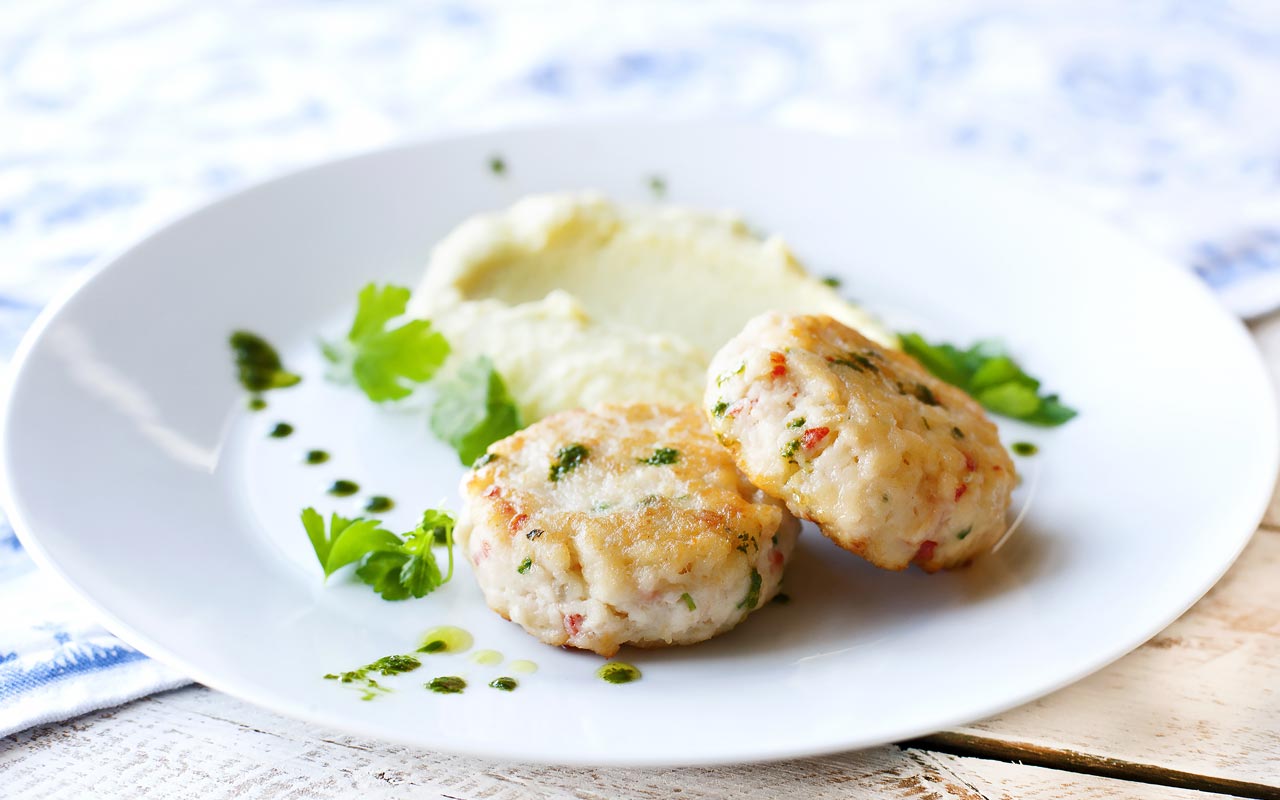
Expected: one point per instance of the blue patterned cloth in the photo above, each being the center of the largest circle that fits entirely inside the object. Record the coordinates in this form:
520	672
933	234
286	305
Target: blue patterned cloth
1159	115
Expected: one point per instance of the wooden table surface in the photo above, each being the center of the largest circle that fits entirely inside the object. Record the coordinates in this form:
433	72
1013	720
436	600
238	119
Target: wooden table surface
1196	710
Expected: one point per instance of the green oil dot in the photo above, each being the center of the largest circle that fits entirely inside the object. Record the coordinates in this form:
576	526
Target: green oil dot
316	457
618	672
281	430
504	684
379	503
257	404
446	639
487	657
1025	448
527	667
344	488
258	365
448	684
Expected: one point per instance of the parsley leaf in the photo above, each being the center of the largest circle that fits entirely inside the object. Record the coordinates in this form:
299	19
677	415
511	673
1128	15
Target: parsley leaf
999	371
361	537
411	570
567	460
346	541
1010	399
661	457
943	360
1051	412
321	542
396	568
439	524
425	576
382	572
385	363
473	410
994	379
753	592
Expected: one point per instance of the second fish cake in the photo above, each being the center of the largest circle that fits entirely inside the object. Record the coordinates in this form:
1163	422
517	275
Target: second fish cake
890	462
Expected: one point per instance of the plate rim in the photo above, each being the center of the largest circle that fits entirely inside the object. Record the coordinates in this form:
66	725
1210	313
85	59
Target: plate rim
153	649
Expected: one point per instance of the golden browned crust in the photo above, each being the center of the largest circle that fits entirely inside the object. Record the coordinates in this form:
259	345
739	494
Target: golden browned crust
696	514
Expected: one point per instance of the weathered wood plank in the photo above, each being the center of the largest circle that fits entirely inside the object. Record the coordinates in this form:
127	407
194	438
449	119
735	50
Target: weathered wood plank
213	746
197	743
1202	697
965	745
994	780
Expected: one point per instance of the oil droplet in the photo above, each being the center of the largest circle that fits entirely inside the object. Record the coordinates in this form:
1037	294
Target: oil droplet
618	672
316	457
257	404
344	488
487	657
281	430
448	684
258	365
527	667
446	639
1025	448
379	503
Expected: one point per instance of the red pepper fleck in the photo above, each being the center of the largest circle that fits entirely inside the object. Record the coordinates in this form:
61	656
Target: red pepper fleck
573	623
926	551
517	521
961	489
811	437
776	559
969	463
483	554
779	362
494	491
737	407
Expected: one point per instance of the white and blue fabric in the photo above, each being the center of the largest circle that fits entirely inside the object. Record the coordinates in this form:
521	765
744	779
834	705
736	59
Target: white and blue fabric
1159	115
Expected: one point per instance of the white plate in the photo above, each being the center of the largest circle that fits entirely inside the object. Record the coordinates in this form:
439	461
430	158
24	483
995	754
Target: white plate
133	469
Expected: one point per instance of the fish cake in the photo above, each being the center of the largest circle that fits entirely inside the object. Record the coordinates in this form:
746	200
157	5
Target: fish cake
623	524
890	462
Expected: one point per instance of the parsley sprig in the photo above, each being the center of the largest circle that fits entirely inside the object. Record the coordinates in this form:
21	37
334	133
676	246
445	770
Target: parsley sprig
397	568
473	410
385	362
994	379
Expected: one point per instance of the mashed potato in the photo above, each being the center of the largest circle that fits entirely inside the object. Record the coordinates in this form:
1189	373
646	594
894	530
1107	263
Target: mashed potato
578	301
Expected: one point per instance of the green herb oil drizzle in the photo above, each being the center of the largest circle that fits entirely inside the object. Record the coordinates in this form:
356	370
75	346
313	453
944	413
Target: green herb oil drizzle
258	367
618	672
343	488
